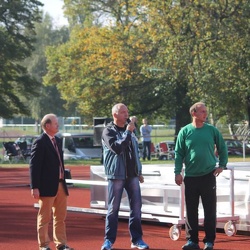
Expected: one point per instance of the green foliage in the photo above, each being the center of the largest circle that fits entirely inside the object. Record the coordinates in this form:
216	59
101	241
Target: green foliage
78	13
103	64
158	57
17	34
49	99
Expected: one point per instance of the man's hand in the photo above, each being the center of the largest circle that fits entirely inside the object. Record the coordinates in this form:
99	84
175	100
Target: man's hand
141	178
131	126
178	179
217	171
35	193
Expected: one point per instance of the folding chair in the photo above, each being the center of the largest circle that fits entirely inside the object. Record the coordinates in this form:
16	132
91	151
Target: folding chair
154	152
24	150
164	152
11	153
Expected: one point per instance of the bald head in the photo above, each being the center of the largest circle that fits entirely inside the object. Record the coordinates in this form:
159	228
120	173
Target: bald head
117	107
120	114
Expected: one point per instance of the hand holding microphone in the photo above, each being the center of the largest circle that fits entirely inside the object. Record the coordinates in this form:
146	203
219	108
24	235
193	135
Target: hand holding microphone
130	125
128	121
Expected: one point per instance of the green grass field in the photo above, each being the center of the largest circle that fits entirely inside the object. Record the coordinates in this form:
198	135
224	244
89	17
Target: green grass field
21	163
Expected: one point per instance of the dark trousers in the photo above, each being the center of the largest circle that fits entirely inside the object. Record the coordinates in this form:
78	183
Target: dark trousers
146	150
203	187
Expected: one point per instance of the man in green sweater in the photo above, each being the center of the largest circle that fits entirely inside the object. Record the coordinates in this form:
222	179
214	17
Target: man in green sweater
195	147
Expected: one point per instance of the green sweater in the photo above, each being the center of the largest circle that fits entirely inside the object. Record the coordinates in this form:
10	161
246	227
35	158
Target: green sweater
195	148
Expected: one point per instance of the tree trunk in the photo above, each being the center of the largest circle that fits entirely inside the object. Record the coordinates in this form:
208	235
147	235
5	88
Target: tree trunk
231	131
182	115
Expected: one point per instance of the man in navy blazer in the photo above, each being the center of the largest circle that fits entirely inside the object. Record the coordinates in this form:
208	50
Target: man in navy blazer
48	184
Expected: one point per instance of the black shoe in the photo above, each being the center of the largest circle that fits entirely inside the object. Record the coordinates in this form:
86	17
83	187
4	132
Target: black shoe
65	247
208	246
190	245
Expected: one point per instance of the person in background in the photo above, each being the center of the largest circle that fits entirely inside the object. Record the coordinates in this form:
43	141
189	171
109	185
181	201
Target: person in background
48	184
145	131
124	172
195	148
136	131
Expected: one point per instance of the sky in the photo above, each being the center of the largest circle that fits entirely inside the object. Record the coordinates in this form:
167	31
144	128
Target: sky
54	8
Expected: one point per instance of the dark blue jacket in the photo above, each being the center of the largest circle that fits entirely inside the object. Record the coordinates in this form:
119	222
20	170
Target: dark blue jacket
44	166
114	145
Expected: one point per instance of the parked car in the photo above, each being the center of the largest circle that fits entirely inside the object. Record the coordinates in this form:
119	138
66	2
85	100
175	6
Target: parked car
79	146
235	147
75	146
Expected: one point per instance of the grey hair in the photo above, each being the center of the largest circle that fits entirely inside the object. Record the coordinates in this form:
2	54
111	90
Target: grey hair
47	119
195	106
116	108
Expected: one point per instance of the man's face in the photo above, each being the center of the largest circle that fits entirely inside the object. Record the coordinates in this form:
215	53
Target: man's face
200	114
52	128
122	115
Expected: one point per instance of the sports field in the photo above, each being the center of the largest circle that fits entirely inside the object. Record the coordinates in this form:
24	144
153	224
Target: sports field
85	231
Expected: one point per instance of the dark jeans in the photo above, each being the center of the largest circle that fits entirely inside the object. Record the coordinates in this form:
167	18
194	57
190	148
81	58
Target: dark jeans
204	187
115	190
146	150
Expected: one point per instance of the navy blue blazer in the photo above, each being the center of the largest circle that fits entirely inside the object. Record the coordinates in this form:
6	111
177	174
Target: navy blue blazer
44	166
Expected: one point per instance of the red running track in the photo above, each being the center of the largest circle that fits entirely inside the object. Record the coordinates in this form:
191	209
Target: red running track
85	231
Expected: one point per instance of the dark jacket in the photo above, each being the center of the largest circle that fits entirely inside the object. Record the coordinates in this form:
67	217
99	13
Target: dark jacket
114	145
44	166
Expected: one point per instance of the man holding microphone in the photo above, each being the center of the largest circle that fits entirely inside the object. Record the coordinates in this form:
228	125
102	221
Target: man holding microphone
124	172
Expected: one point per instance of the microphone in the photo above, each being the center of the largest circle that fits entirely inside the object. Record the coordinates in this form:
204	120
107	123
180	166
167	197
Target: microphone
128	121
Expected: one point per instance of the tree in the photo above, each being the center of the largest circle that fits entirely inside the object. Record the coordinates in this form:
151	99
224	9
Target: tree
17	35
205	50
220	73
158	57
78	13
48	99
